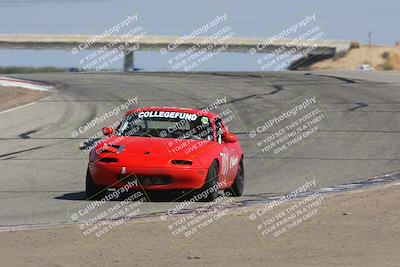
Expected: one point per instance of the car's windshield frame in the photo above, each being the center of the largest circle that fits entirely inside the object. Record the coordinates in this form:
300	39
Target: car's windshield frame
203	130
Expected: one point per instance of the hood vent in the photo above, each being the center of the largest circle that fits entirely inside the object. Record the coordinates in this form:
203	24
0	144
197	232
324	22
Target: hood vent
181	162
108	160
112	149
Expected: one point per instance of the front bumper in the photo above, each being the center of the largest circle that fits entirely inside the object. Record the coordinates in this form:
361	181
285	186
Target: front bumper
171	178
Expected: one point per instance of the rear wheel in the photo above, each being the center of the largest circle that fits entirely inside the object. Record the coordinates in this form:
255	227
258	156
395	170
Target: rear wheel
210	189
238	185
93	191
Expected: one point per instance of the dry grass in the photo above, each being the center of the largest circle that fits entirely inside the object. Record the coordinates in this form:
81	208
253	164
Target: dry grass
14	96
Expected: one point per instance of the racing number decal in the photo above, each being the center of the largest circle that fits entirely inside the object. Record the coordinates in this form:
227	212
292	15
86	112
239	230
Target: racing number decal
228	160
224	163
228	163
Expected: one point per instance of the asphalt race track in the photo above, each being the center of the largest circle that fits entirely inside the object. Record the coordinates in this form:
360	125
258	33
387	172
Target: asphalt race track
43	169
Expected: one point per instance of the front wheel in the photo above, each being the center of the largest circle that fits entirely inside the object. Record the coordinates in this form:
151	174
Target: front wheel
209	191
93	191
238	185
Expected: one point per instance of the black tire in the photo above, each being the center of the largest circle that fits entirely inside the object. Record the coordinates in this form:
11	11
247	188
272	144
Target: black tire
211	183
238	185
93	191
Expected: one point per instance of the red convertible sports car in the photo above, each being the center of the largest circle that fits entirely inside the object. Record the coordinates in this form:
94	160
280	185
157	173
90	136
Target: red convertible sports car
159	149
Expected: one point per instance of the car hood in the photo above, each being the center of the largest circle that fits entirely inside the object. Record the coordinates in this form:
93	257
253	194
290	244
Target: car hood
160	147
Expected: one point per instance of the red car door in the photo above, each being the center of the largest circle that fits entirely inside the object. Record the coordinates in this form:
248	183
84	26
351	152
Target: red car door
228	154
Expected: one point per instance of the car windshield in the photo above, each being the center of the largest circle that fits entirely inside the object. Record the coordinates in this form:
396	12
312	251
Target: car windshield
166	124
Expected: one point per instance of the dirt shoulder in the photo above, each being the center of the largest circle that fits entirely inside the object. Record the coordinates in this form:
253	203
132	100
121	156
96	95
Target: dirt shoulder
14	96
359	228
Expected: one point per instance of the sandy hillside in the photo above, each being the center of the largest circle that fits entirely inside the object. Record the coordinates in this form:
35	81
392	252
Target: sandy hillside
378	57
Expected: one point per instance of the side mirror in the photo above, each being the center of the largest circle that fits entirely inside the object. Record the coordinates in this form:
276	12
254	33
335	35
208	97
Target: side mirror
107	131
230	138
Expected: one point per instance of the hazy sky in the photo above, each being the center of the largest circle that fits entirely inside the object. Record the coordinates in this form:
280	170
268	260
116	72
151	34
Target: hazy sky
339	19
